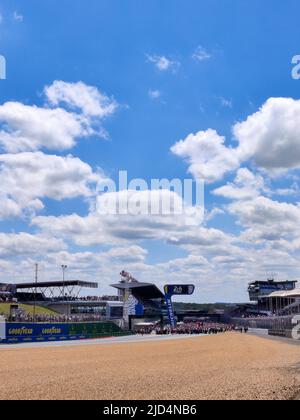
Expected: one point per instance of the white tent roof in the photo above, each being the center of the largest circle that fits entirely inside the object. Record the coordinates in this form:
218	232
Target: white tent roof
286	294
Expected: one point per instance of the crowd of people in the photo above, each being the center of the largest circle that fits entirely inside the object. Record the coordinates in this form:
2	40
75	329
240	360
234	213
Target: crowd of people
85	298
191	328
21	316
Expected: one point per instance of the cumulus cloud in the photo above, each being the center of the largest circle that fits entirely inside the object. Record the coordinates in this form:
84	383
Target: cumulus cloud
201	244
26	178
30	128
104	226
289	191
268	138
98	260
20	252
190	263
271	136
264	211
267	221
88	99
24	244
207	155
246	186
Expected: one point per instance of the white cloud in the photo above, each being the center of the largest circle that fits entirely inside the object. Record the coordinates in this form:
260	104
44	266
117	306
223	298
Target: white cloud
271	136
24	244
268	138
208	156
28	177
102	226
267	221
31	128
213	213
292	190
20	252
200	239
128	254
163	63
246	186
266	212
15	207
201	54
154	94
88	99
188	263
117	256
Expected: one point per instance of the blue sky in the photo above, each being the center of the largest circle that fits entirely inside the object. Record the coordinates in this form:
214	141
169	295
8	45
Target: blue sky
224	60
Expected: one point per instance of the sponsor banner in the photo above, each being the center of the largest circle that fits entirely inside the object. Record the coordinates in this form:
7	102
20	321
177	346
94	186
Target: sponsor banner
176	290
132	306
30	332
171	314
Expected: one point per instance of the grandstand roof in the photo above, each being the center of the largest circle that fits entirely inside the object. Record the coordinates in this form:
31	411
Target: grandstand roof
67	283
286	294
272	282
146	290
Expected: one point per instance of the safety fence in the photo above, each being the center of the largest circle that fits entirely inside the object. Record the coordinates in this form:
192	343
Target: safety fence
282	326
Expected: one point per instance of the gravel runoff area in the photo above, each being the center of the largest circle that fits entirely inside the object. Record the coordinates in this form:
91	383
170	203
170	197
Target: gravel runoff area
230	366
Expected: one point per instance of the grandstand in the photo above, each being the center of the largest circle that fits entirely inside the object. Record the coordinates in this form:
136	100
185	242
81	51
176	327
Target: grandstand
285	302
61	298
135	302
274	297
55	311
141	301
6	310
274	307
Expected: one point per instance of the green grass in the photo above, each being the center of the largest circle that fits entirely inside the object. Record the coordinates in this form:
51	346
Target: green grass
5	309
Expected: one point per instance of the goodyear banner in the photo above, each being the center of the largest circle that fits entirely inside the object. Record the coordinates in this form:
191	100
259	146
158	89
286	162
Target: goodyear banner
28	332
176	290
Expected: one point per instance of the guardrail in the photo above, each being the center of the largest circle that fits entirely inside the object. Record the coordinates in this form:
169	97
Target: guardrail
280	326
279	323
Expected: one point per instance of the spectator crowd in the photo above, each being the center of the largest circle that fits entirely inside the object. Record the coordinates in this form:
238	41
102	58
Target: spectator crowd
21	316
191	328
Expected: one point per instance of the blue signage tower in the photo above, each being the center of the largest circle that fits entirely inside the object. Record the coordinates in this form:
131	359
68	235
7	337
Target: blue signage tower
176	290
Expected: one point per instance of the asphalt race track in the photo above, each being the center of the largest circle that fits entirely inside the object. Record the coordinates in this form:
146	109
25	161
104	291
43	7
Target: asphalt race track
103	341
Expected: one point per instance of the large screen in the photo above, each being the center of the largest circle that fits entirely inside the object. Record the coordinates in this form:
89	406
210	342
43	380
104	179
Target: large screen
185	289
